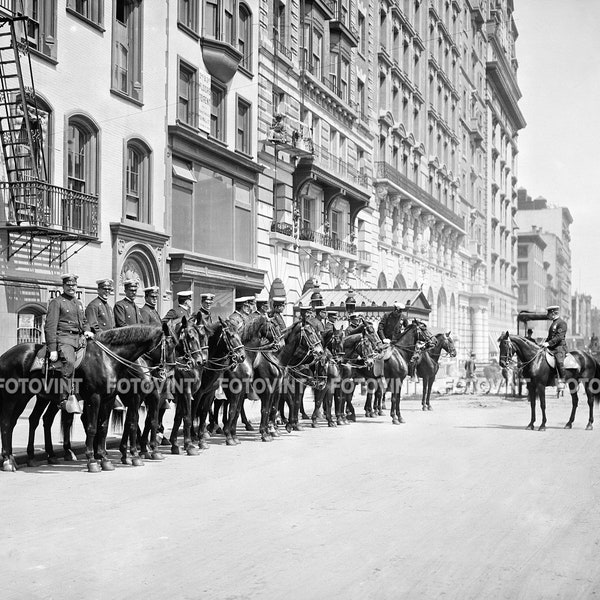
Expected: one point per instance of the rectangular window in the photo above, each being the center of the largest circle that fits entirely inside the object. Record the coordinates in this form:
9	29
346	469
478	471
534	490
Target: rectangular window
317	53
188	14
187	97
92	10
523	295
243	127
217	113
336	224
344	80
245	38
211	19
40	28
228	21
127	49
307	216
522	270
361	97
362	34
522	251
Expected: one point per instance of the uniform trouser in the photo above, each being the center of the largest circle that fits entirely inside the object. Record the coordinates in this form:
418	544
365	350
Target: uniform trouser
559	354
66	353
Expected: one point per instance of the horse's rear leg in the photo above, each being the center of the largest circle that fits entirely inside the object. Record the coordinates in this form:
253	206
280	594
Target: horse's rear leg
590	399
542	396
245	420
574	405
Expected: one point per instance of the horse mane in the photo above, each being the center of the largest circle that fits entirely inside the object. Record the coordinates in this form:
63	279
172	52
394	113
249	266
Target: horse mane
252	327
352	340
131	334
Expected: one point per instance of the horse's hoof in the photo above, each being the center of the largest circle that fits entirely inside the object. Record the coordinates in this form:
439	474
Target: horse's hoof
107	465
126	460
192	451
9	465
93	467
297	427
137	461
395	421
288	428
313	424
70	456
569	426
380	413
304	416
237	441
423	408
230	442
429	407
331	424
165	442
265	437
250	427
52	460
31	462
175	449
401	420
542	428
204	445
589	427
206	435
156	456
530	427
274	433
219	431
146	454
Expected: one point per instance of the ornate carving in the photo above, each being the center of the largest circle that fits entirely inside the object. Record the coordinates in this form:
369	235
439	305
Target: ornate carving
120	245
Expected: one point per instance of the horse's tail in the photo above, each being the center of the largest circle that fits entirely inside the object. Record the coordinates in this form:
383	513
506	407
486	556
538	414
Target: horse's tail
595	383
117	418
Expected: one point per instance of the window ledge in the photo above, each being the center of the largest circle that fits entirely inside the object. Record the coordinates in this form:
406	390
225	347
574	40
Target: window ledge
244	154
43	56
125	96
193	34
81	17
247	72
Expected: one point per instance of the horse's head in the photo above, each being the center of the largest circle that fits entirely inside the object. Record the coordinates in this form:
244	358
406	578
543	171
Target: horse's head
311	339
366	349
333	339
370	333
273	334
507	350
192	343
448	344
230	337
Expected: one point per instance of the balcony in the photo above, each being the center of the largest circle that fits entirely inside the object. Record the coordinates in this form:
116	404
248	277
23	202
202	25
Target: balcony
384	170
48	210
281	233
310	235
365	258
341	29
325	159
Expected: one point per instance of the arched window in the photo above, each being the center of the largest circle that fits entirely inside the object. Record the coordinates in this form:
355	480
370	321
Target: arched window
382	282
30	324
82	152
245	36
137	182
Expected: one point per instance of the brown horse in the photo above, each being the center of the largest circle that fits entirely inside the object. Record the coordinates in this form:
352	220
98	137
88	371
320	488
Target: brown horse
580	367
427	364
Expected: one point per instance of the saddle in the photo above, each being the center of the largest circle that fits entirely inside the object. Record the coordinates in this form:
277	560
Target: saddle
570	361
42	361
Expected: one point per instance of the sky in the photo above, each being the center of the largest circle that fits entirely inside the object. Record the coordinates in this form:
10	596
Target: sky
558	50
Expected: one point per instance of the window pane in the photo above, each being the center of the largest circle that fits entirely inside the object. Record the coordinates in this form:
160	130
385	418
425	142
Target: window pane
182	218
243	235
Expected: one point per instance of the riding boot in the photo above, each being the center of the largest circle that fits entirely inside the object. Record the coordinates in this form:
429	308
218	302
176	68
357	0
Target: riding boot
560	377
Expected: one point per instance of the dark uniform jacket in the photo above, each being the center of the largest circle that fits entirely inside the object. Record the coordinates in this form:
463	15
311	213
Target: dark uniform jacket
353	328
388	324
206	316
65	322
317	325
99	315
177	312
126	312
238	319
556	335
150	315
278	320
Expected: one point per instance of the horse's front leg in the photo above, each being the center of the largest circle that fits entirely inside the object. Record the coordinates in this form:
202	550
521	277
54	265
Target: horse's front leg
90	420
428	383
34	420
190	448
396	385
531	393
9	415
104	411
590	399
542	396
574	405
149	438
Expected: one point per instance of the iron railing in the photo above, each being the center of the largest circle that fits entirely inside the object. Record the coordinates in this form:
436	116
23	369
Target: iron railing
283	228
310	235
40	204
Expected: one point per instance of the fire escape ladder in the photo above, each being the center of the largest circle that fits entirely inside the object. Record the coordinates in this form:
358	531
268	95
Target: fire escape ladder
20	125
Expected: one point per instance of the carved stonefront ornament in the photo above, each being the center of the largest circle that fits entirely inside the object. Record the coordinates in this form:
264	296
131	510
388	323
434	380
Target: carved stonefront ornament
120	245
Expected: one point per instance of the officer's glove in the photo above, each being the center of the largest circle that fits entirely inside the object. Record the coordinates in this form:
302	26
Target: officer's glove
53	356
89	335
544	344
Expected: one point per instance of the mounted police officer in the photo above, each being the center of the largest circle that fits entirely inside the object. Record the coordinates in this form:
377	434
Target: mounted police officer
243	307
149	313
183	308
355	323
276	314
126	311
98	313
556	343
206	302
392	323
65	327
331	320
262	306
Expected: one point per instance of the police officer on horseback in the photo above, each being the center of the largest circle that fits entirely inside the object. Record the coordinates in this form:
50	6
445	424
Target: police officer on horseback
556	343
126	311
65	328
148	312
392	323
243	307
276	313
206	302
98	313
182	309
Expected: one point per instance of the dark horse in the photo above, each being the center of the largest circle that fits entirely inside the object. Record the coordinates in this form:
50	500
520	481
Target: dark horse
393	366
107	361
427	364
538	374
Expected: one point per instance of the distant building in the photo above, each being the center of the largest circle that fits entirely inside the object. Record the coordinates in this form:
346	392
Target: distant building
552	223
580	329
532	273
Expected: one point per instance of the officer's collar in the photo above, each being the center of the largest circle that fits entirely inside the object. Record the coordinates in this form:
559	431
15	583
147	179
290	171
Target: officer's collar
68	296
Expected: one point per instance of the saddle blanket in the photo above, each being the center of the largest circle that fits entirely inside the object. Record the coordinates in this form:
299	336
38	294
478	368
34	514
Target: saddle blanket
40	360
570	361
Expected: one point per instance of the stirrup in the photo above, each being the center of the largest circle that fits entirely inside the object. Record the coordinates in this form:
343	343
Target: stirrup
71	405
118	404
560	385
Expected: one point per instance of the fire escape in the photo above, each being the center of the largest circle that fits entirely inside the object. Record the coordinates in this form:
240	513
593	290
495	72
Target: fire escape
35	215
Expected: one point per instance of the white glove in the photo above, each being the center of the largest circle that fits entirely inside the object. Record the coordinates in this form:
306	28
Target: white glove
544	344
53	356
89	335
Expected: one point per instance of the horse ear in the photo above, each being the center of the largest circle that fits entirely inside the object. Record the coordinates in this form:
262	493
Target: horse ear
448	334
166	330
184	322
221	320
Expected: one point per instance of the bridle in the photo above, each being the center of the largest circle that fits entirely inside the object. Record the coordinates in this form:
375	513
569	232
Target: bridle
235	352
187	340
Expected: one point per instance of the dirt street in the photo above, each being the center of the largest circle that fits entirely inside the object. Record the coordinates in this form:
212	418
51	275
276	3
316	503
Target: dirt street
461	502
